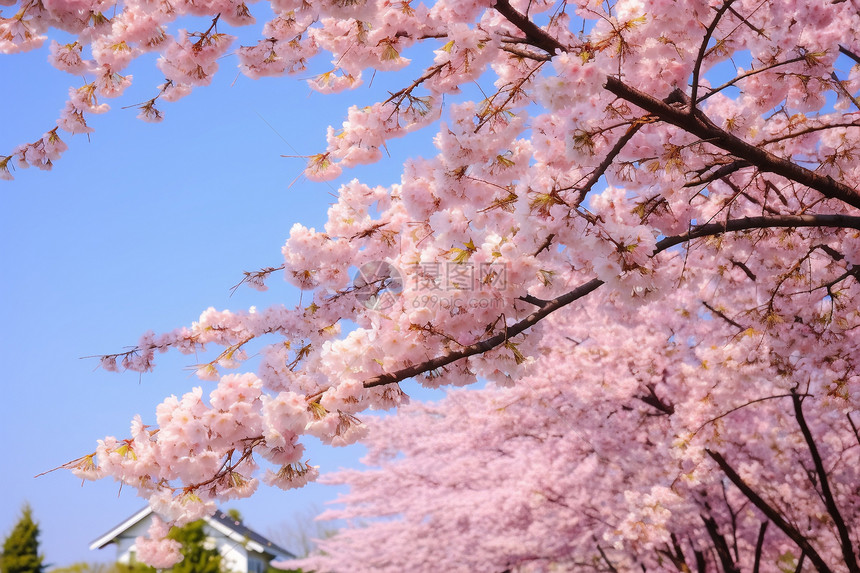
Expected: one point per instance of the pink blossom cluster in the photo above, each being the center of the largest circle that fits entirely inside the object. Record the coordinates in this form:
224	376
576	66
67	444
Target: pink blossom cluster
156	549
600	453
640	227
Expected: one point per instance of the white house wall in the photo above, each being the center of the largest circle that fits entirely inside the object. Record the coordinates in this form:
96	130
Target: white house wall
233	554
125	543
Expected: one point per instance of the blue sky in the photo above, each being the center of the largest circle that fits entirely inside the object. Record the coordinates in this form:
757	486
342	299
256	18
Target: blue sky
142	227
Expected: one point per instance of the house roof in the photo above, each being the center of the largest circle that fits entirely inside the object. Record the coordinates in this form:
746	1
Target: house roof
117	531
249	534
220	521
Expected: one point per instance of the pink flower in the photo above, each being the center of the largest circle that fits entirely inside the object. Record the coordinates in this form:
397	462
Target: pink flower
156	550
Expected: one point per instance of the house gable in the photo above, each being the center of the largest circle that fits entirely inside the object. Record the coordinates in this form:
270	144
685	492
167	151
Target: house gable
242	549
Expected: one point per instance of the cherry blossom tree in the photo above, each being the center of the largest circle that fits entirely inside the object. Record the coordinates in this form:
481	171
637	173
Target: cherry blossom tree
629	448
646	225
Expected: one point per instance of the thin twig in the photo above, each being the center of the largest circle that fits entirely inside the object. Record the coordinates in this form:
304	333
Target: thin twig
697	66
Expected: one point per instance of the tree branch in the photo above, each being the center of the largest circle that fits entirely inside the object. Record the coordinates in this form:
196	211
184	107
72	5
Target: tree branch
723	316
829	501
736	408
701	564
678	558
747	223
849	53
553	305
605	558
718	173
720	545
699	125
525	54
545	245
745	75
853	427
538	37
654	401
770	512
607	161
799	568
533	300
695	123
487	344
759	544
697	66
745	269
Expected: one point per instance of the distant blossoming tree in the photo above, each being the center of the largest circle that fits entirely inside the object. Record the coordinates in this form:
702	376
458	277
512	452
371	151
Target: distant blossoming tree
646	226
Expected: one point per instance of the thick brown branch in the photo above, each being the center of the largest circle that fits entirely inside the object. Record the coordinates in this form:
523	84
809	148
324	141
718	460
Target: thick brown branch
829	501
700	126
539	302
675	554
771	513
487	344
524	54
536	36
720	545
701	564
759	544
695	123
552	305
655	402
747	223
849	53
745	269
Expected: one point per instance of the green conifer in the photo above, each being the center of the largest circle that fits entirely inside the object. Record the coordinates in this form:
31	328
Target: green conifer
198	557
21	548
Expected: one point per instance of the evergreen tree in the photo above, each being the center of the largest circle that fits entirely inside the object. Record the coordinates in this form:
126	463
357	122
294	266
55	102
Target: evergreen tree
21	548
198	558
